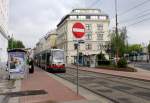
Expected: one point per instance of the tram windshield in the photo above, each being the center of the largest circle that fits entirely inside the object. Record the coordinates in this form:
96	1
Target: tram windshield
58	55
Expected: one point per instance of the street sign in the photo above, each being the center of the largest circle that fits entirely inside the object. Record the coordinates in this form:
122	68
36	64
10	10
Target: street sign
78	30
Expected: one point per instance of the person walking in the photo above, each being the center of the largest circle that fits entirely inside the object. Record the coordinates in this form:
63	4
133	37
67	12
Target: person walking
31	64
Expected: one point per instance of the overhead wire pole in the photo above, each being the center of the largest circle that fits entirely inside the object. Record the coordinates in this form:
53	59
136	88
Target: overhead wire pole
116	26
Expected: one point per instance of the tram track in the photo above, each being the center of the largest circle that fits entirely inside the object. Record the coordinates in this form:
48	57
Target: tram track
111	87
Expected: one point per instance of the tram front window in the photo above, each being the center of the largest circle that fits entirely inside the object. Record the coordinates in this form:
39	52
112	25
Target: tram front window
58	56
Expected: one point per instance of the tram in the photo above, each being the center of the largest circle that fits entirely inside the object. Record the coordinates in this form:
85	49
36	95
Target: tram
51	60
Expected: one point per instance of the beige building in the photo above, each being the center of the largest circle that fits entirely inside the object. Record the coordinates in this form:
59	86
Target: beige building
40	46
3	30
51	39
46	42
96	34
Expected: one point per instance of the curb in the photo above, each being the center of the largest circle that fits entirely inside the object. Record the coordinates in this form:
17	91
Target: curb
114	75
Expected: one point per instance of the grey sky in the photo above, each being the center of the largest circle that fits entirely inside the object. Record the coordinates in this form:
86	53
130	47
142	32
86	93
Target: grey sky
31	19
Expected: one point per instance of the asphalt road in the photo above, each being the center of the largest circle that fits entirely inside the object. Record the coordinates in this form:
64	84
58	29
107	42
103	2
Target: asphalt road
114	88
145	66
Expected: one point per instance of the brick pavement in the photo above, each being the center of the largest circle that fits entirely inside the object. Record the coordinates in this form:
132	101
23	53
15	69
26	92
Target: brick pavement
140	74
57	92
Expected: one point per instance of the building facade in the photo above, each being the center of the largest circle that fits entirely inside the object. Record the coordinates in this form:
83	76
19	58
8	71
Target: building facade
46	42
3	30
51	39
96	37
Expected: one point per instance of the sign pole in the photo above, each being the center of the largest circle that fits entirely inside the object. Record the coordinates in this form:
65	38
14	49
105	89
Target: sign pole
78	31
77	68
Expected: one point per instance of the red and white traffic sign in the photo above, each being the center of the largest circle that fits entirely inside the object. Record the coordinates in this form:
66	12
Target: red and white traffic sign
78	30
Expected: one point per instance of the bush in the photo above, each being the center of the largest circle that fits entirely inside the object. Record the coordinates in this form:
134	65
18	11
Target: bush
122	63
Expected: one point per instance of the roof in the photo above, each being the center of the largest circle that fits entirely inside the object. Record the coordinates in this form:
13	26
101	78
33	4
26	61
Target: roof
52	32
99	13
17	50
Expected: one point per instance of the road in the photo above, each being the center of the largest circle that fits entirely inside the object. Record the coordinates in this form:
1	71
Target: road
114	88
145	66
5	86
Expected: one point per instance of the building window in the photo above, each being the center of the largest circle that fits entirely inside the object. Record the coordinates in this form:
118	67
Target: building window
100	36
94	17
101	46
99	26
82	17
88	26
102	17
73	17
88	46
88	17
89	36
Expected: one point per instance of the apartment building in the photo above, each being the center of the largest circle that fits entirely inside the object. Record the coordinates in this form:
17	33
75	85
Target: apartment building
96	34
3	30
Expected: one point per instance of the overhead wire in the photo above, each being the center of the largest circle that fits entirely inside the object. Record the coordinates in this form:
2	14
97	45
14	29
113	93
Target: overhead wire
145	19
133	19
134	7
94	3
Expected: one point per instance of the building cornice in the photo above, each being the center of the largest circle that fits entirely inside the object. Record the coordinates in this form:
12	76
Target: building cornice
81	14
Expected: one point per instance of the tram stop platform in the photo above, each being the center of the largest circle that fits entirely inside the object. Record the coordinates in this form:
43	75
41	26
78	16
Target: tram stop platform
52	89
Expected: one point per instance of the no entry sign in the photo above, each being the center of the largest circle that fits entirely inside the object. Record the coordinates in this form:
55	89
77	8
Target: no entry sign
78	30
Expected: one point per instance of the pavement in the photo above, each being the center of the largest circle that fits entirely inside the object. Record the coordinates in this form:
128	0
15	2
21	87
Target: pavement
5	85
140	74
57	90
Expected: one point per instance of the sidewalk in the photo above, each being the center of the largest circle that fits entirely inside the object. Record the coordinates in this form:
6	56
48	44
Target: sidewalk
57	92
140	74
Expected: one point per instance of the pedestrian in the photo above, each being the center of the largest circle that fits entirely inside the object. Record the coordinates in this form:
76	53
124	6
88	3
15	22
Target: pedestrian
31	66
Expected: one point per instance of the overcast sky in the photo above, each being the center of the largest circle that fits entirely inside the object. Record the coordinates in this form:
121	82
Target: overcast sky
32	19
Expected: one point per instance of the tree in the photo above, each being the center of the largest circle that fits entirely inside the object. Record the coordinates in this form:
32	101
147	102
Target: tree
20	44
134	48
12	43
119	42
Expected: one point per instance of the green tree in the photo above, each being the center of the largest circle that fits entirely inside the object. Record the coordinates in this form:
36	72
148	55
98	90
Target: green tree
134	47
19	44
119	42
12	43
